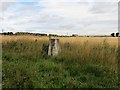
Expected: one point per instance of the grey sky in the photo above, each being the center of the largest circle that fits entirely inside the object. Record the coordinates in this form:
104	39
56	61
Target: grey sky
61	17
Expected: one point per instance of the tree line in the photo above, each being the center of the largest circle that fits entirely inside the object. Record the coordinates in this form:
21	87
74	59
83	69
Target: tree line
115	34
40	34
23	33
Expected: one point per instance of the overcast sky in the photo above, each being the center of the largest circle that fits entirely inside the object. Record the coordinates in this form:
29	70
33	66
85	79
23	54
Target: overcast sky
83	17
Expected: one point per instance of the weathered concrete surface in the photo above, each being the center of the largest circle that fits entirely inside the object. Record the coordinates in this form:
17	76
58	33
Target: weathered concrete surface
54	47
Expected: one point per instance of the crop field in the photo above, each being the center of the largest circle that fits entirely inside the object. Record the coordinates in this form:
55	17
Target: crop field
83	62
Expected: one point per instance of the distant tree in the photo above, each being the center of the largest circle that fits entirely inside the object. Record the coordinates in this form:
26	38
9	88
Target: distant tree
74	35
113	34
117	34
10	33
55	35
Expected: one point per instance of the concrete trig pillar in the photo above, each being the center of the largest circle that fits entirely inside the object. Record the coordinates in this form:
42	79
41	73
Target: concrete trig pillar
54	47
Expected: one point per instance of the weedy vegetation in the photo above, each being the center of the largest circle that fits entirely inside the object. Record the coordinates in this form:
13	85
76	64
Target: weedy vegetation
84	62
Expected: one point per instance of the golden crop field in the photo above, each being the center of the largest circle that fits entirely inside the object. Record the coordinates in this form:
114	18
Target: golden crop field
92	40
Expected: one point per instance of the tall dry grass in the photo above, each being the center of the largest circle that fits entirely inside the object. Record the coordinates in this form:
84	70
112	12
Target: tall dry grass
82	62
95	49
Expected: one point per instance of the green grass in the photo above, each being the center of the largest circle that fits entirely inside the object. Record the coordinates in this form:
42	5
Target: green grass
26	65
